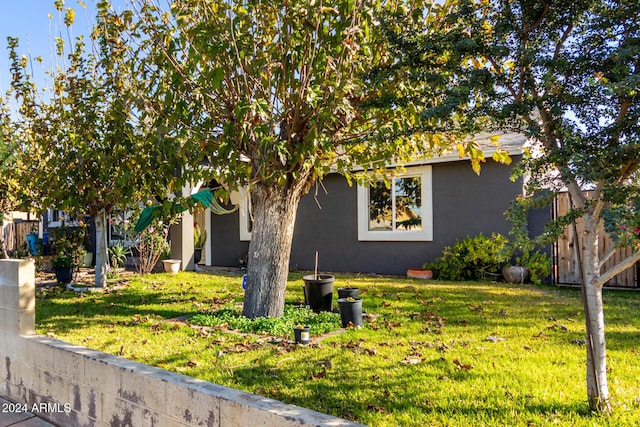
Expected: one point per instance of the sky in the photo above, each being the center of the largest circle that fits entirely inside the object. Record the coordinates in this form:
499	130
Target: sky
28	20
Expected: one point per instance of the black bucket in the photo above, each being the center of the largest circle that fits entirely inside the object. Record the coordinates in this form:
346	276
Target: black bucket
348	292
350	311
318	292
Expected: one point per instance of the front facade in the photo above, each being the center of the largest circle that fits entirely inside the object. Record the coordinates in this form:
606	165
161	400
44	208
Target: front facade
379	230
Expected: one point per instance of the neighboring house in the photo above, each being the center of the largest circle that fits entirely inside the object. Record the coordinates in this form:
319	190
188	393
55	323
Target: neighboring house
375	230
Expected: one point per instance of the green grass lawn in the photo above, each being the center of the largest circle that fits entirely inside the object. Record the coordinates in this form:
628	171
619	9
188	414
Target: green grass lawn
429	354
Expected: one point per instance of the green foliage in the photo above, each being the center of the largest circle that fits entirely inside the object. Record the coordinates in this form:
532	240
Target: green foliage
84	143
277	94
472	258
232	318
566	75
537	263
118	255
199	236
67	246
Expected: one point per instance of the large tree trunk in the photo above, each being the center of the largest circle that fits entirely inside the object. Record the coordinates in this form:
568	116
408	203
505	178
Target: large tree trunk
274	216
597	386
101	249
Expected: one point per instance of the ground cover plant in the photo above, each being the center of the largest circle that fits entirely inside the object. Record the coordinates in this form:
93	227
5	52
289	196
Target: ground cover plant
429	353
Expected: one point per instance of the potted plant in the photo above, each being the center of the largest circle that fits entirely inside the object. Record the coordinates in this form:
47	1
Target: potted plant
531	265
301	334
318	290
199	240
68	253
350	311
62	265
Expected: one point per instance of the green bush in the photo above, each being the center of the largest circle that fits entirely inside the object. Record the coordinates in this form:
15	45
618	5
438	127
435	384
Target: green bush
538	264
473	258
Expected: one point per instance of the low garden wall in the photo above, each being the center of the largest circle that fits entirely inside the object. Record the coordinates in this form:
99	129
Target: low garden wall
72	385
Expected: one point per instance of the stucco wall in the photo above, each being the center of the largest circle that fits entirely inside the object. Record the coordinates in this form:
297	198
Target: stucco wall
464	204
77	386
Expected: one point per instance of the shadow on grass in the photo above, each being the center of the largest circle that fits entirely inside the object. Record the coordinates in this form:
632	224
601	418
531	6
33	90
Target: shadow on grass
70	310
343	392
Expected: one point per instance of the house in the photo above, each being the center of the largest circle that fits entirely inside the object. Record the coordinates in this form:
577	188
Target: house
375	230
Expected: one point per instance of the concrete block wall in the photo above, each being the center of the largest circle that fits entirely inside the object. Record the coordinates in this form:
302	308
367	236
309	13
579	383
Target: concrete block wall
72	386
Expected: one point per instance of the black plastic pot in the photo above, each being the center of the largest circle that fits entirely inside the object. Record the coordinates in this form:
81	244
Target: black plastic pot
64	275
301	335
350	311
348	292
318	292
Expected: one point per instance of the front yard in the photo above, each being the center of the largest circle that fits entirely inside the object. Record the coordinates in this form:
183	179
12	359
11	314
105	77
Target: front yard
429	353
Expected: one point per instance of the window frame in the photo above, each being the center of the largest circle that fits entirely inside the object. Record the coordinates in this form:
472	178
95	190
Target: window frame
244	215
424	235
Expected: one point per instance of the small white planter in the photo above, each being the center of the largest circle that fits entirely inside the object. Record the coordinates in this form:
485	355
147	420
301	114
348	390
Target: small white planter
88	259
171	265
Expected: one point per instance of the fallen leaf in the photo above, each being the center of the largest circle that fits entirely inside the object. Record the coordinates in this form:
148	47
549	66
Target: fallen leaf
443	347
493	338
462	366
411	360
371	351
320	375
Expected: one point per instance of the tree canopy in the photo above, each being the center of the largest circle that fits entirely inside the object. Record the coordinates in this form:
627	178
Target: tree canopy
84	140
279	94
568	76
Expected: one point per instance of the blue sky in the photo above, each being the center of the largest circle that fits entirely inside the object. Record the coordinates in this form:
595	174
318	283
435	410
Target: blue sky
29	21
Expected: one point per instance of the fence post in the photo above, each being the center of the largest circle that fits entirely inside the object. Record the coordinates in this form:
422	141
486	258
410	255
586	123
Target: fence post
17	297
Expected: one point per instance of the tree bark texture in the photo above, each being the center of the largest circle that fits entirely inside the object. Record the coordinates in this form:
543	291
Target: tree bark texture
597	386
101	249
274	216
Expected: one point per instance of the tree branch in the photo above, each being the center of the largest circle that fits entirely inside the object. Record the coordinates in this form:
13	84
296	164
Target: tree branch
597	196
617	269
605	257
560	44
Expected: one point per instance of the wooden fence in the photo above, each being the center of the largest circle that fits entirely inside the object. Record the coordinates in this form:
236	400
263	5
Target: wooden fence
566	265
21	229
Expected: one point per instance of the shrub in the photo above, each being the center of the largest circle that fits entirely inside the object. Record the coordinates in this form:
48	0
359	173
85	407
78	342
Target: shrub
538	264
473	258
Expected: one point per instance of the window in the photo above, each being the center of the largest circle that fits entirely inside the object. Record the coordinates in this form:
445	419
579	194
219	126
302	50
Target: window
402	212
59	218
118	224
